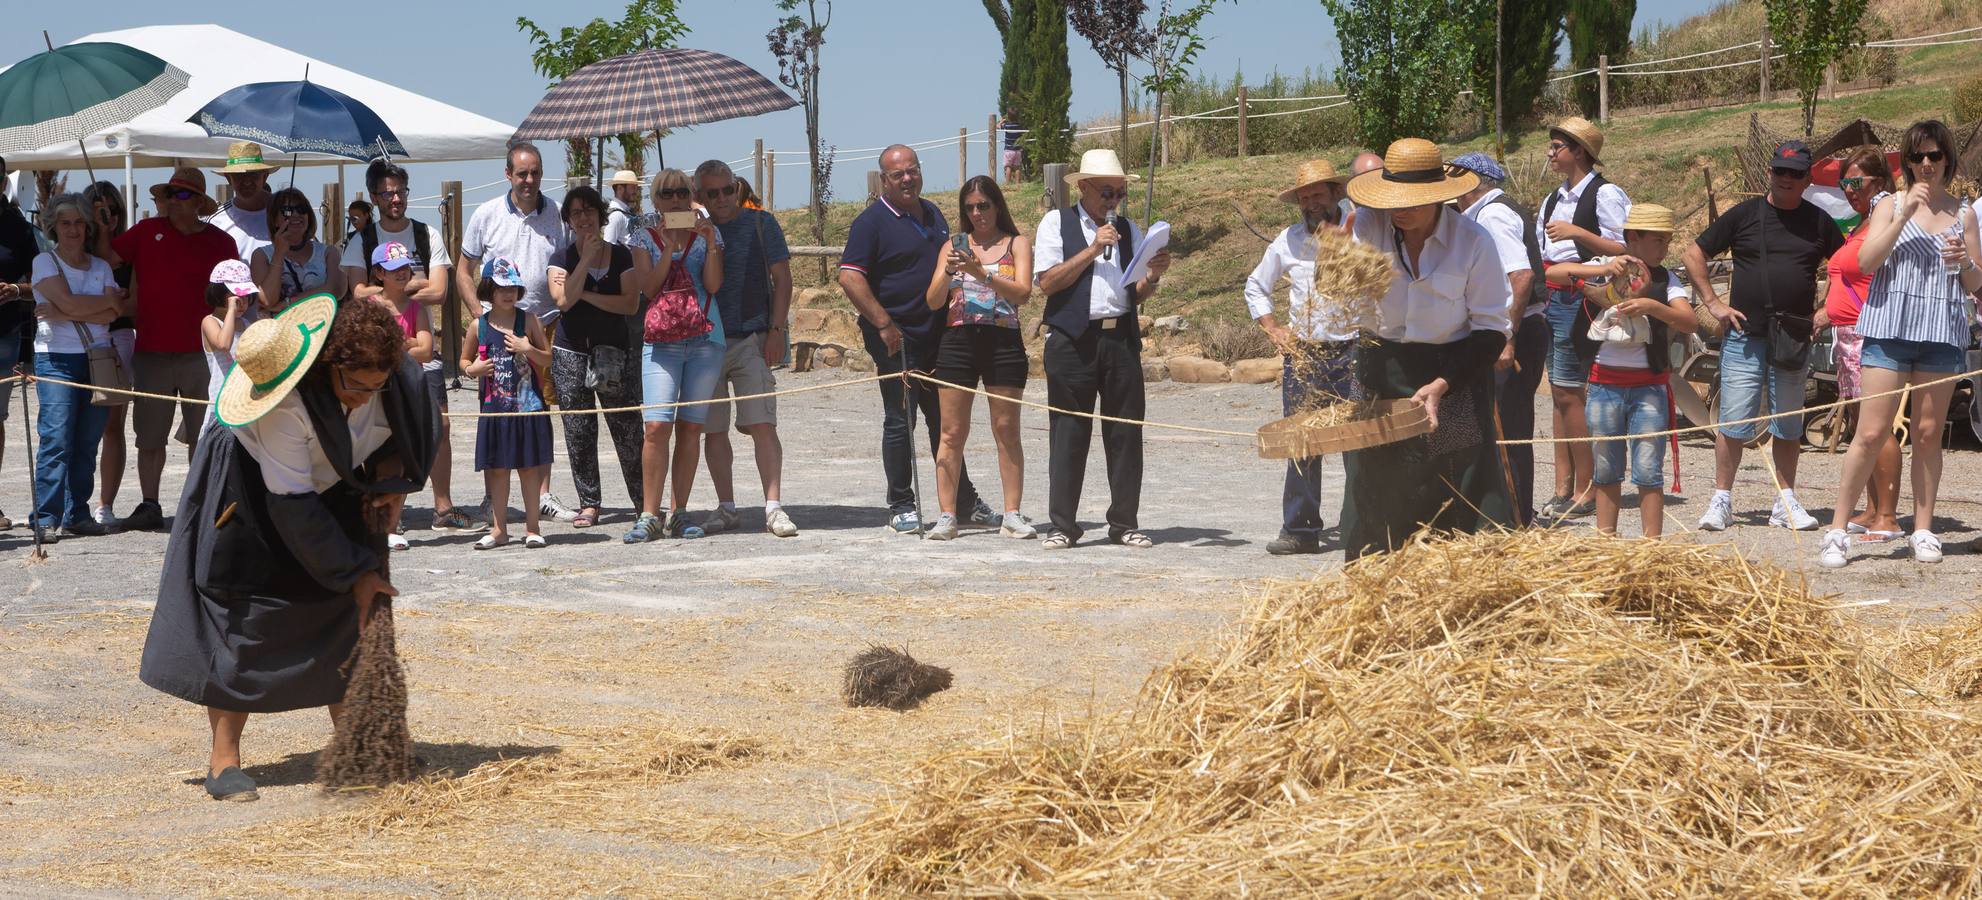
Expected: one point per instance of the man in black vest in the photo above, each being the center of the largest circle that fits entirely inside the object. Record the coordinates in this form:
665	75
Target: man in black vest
1518	372
1093	345
1583	218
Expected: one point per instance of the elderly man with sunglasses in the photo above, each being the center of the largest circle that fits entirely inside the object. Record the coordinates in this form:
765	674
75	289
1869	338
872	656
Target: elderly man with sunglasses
1780	244
171	257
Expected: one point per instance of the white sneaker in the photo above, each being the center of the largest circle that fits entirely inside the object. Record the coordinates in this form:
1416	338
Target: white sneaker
107	519
1018	526
395	542
1926	547
1719	515
556	510
1788	513
1836	550
945	528
780	524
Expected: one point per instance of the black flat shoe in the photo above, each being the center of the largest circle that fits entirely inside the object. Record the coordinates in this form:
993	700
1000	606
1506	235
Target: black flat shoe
1289	546
231	785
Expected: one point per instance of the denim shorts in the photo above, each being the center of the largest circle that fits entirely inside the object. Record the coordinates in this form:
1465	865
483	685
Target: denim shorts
1616	411
1566	366
1747	379
677	372
1910	356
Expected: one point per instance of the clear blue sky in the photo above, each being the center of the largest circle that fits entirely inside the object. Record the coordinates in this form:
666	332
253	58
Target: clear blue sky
908	70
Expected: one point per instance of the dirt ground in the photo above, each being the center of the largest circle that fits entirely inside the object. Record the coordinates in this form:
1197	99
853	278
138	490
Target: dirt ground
663	719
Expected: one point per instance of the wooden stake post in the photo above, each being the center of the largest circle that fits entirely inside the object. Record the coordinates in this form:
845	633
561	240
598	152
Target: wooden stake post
1242	121
451	316
771	179
1603	87
991	162
757	165
963	156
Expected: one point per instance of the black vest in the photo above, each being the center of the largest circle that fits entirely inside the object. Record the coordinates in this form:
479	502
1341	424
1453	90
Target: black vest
1538	289
1658	353
1066	311
422	248
1586	212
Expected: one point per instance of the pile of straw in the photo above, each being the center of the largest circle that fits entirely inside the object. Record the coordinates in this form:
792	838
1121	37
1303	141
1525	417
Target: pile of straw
372	746
883	676
1538	713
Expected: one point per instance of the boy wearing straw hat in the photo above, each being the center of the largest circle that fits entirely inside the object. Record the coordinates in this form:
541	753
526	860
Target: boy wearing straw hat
1328	357
1583	218
245	216
1440	326
1093	346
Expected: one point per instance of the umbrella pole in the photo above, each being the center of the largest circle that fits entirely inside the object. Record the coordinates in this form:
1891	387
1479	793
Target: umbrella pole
86	163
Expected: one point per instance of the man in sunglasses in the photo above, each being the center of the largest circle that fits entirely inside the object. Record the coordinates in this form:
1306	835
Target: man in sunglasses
171	256
892	251
1780	245
245	217
1093	346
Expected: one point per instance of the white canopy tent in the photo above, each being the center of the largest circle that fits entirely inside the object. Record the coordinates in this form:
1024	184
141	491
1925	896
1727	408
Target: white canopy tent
219	60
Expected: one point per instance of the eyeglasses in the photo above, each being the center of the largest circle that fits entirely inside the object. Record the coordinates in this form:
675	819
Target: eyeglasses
344	384
1111	193
1926	156
1853	183
390	195
903	174
1792	174
680	193
295	212
728	190
981	206
1555	147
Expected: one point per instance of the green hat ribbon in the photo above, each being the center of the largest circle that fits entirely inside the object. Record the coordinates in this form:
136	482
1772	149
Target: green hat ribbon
301	352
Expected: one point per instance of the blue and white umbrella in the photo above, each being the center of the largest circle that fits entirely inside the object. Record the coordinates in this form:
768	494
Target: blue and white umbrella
299	117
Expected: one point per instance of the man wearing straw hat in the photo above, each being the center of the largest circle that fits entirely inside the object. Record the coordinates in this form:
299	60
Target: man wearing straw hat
1326	357
622	206
245	215
1440	327
1583	218
1094	346
1518	372
277	552
171	256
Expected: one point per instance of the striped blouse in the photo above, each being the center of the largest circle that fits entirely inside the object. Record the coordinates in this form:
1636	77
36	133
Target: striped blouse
1913	297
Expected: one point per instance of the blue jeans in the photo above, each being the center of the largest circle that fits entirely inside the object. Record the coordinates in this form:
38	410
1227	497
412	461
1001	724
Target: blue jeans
678	372
898	423
70	429
1748	381
1616	412
1333	374
1567	366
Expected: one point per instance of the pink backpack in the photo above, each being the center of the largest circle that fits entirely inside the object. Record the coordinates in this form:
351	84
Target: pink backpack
675	314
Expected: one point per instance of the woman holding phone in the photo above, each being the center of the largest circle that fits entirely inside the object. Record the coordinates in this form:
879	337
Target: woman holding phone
985	277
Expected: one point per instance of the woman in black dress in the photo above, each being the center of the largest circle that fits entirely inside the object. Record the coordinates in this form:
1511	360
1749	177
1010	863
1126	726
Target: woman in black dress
271	566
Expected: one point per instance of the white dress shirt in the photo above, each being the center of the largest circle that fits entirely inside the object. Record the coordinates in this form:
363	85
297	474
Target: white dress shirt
1459	287
1504	226
1104	300
619	221
1291	254
1612	207
292	459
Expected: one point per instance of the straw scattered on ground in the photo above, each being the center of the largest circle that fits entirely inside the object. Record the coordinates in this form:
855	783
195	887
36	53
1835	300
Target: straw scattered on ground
1508	714
883	676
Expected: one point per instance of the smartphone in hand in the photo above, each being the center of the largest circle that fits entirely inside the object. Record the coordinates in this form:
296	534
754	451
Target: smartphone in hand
960	242
679	220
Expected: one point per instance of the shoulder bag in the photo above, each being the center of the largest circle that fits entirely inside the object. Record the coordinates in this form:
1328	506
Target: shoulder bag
1789	334
106	370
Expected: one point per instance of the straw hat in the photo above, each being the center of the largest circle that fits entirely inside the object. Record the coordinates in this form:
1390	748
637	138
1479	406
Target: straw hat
271	357
1413	174
1649	217
1101	163
243	157
185	178
1579	129
623	176
1312	172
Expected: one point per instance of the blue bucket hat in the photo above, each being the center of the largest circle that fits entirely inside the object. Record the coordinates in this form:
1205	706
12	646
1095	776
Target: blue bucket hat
1482	165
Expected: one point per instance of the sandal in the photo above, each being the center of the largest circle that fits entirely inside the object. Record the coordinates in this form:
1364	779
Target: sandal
1133	538
585	519
534	542
1058	540
490	542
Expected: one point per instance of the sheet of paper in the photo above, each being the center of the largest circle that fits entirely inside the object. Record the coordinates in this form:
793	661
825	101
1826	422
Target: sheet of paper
1153	242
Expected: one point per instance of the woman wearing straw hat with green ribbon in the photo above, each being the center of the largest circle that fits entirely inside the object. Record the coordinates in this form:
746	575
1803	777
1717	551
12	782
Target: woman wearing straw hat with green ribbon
1439	329
278	547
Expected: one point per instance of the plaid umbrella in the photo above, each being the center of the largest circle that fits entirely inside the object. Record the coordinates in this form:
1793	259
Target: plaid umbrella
651	90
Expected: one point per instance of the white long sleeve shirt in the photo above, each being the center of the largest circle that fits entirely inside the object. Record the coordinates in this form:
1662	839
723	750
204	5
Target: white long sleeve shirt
1291	254
1458	288
1504	226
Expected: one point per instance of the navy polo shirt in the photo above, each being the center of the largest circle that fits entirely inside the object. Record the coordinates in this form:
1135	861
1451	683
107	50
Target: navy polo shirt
898	256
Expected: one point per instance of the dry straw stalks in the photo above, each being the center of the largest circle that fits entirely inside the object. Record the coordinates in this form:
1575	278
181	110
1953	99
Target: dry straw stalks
1532	713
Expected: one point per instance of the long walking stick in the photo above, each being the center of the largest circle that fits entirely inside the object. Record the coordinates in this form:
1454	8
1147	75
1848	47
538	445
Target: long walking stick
915	469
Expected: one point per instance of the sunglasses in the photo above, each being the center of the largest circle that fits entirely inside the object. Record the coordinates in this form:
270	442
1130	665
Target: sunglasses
182	194
1853	183
680	193
713	193
981	206
1795	174
294	212
390	195
1926	156
1111	193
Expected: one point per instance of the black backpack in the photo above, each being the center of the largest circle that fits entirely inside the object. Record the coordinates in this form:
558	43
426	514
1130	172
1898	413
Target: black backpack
422	248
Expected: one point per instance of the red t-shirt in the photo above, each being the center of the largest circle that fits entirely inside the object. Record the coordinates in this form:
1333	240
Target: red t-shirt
1848	284
169	270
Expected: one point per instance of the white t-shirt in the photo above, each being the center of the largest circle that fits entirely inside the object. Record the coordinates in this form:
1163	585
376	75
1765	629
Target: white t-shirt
354	250
1619	355
248	229
61	336
499	230
619	221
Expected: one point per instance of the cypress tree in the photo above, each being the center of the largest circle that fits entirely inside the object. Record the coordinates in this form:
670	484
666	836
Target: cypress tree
1018	28
1045	87
1531	40
1596	28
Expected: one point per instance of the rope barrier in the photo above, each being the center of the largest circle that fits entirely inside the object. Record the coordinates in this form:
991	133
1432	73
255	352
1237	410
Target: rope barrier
1744	62
1654	62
